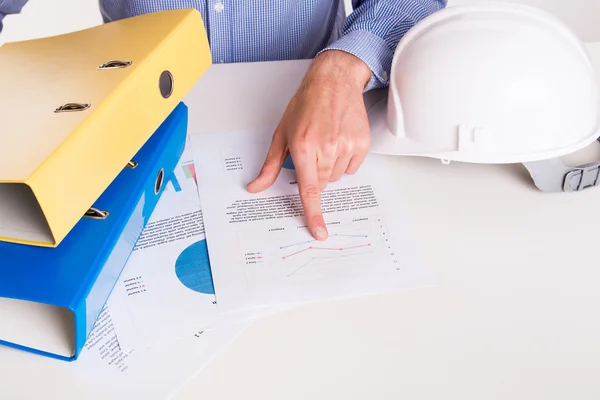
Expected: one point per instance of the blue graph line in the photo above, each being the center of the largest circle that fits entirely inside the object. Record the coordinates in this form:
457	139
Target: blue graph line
314	240
175	183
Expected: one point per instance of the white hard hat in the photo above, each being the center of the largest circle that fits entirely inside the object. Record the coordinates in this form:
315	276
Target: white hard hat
492	83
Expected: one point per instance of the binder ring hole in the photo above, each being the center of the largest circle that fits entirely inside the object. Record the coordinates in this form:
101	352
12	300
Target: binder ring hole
165	84
71	107
114	64
131	164
159	181
96	214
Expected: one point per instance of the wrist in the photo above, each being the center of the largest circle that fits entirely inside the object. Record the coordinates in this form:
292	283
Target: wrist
340	69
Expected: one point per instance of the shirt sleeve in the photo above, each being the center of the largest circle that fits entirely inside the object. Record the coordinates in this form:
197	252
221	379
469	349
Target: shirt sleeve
10	7
372	32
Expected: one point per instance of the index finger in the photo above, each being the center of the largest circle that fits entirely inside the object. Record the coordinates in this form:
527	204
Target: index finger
310	192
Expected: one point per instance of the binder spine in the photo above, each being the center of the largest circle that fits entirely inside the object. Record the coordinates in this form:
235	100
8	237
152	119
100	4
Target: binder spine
112	266
134	216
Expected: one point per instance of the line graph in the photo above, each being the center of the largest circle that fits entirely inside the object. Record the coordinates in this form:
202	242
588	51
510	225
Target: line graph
314	240
314	259
325	248
290	252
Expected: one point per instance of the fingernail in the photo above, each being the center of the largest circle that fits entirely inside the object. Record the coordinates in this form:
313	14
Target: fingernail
321	233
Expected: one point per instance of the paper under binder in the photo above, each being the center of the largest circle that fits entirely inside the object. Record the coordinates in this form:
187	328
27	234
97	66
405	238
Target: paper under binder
50	298
76	107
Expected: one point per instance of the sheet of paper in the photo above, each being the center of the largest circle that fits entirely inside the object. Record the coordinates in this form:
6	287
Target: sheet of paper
261	251
150	374
166	288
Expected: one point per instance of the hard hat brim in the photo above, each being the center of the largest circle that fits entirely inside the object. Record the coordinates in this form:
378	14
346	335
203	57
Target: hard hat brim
384	141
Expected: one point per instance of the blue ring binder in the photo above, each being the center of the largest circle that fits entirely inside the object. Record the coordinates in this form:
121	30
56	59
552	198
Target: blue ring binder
50	298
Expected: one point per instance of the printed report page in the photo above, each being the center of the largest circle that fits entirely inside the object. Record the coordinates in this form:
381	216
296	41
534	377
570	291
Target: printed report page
261	251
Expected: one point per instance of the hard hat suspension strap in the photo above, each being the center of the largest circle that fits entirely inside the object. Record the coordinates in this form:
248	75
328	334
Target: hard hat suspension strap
554	176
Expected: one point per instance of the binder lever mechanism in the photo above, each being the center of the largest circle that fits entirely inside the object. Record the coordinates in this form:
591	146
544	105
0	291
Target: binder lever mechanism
131	164
114	64
96	213
71	107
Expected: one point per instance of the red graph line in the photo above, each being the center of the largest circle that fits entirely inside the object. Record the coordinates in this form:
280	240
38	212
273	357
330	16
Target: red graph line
325	248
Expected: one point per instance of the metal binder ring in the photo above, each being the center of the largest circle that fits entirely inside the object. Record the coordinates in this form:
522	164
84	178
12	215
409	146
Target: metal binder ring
131	164
159	181
96	214
165	84
71	107
114	64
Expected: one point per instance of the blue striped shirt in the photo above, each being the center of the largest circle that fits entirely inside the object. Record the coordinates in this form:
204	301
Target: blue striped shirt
269	30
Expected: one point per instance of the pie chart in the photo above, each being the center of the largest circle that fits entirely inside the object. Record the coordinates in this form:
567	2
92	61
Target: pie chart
193	268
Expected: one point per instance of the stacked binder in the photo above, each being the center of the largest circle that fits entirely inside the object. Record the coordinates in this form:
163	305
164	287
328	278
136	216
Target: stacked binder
92	127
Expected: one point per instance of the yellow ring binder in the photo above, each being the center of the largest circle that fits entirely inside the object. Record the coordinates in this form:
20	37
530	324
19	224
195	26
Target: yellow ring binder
116	84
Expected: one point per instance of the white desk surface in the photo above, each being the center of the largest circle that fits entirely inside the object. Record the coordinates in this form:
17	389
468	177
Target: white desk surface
514	313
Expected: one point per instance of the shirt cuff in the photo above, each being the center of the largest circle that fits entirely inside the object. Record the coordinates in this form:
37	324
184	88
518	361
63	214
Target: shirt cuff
372	50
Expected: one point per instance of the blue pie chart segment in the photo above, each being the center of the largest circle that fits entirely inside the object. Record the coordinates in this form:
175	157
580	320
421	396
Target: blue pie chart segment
193	268
288	163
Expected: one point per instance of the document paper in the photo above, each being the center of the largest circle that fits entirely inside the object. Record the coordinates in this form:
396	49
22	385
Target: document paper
149	374
261	252
166	288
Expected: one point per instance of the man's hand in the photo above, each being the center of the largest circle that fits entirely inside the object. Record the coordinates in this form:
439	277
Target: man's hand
324	128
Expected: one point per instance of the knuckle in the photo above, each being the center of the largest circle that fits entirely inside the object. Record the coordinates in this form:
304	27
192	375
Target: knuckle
268	164
364	142
352	168
323	176
329	148
331	140
302	147
316	219
265	166
310	191
325	169
345	147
